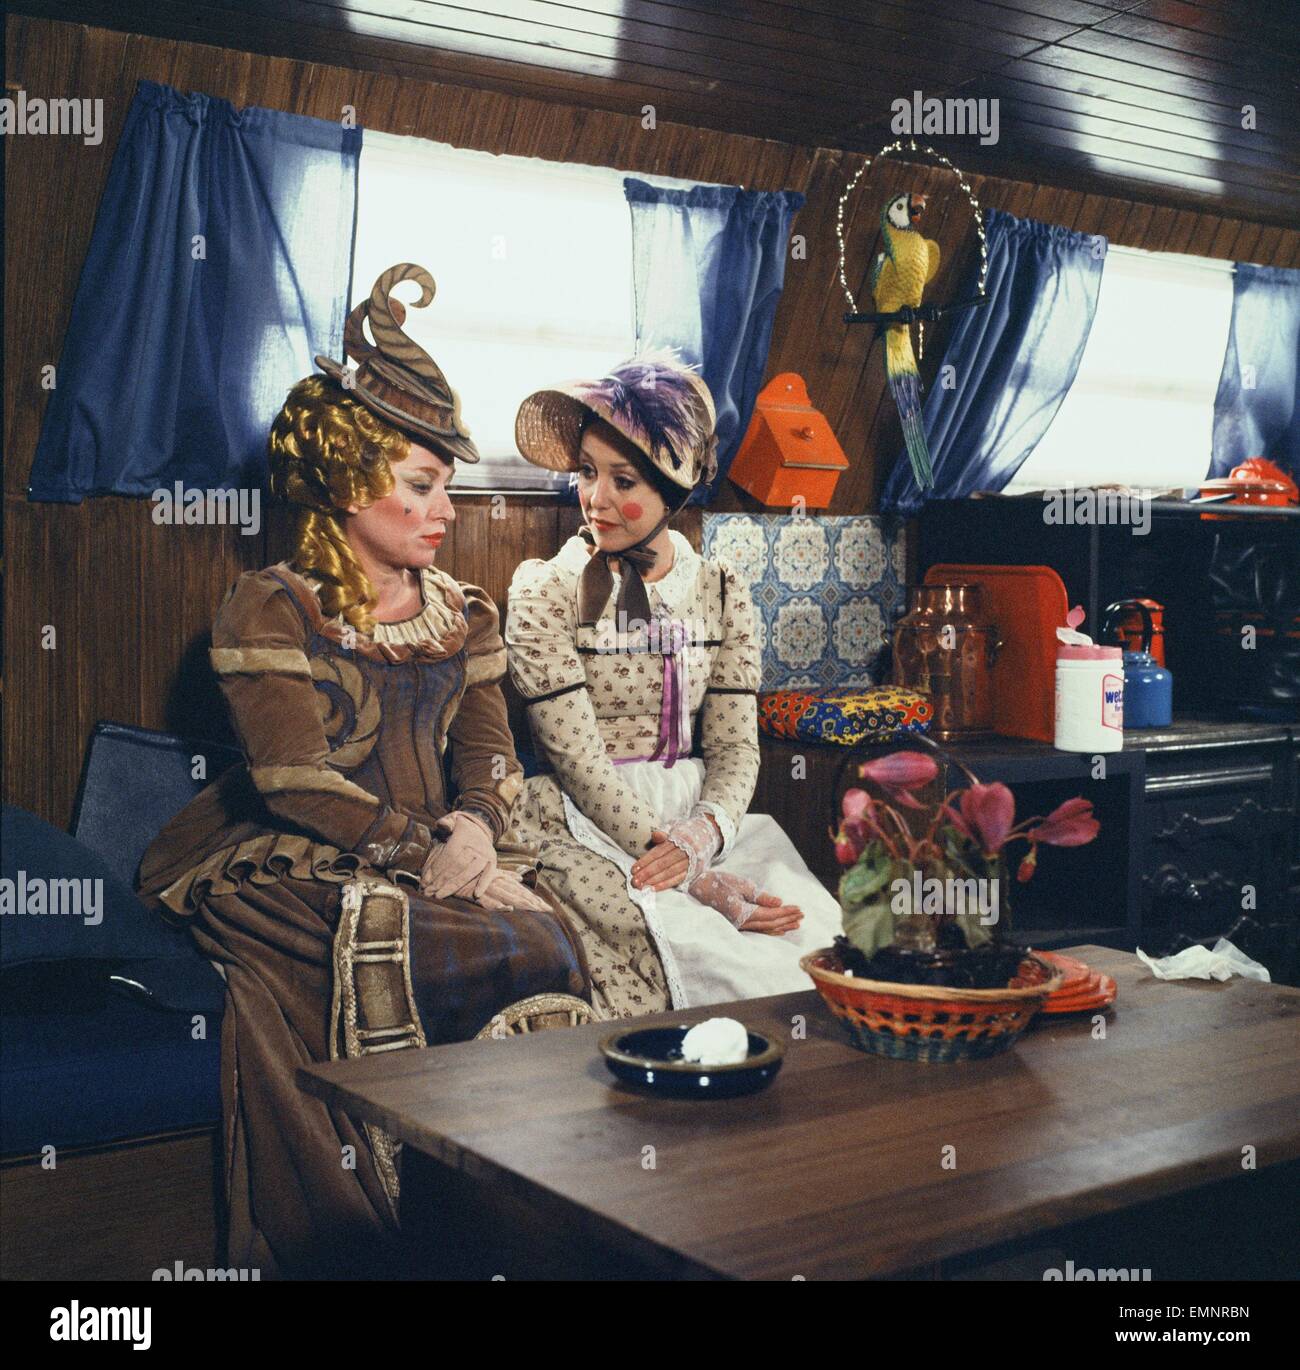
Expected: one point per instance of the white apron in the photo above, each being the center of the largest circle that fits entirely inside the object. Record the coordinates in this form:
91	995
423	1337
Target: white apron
706	959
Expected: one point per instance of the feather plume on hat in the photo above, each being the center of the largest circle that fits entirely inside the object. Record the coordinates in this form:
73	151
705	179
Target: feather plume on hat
657	401
653	398
665	410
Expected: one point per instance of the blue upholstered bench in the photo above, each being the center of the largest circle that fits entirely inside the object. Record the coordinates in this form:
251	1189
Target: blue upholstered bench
110	1034
110	1030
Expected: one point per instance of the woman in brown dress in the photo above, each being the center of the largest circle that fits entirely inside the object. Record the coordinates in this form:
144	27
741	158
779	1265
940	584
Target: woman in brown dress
363	682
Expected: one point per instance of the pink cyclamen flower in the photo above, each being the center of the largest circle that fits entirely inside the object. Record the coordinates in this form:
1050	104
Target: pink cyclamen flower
900	770
902	798
860	814
953	815
849	842
989	812
1069	825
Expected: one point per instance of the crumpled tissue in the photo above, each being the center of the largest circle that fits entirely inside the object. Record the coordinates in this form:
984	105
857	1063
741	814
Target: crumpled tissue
1201	963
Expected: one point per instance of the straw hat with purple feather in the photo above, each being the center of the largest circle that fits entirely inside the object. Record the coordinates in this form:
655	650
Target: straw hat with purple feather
660	405
396	378
665	411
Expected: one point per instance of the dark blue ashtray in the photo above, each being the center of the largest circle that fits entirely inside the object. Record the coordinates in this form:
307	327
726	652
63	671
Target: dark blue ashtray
651	1058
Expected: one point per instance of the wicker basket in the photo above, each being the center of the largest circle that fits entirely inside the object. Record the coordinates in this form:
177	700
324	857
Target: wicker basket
930	1022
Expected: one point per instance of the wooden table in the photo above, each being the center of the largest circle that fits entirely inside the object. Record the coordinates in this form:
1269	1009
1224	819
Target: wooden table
523	1157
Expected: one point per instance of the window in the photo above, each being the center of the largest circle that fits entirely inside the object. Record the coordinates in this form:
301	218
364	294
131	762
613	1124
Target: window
1141	409
533	265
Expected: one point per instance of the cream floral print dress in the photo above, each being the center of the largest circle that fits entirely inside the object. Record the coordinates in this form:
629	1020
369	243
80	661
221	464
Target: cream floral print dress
637	729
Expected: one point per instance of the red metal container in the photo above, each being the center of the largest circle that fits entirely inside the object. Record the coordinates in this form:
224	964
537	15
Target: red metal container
789	451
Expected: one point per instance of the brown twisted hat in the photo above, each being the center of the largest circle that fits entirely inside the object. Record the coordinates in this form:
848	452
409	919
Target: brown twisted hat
395	377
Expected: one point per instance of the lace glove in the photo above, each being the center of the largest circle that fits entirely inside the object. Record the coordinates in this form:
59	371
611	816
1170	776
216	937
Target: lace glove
738	899
698	838
464	862
734	896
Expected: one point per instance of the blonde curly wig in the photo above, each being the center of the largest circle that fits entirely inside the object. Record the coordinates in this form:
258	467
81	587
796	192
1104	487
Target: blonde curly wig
328	451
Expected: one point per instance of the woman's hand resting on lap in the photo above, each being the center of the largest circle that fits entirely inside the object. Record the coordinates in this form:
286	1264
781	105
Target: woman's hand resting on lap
741	902
663	867
737	898
463	859
508	891
679	854
463	865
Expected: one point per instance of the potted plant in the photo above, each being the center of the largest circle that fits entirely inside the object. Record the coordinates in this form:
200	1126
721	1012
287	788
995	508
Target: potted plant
925	968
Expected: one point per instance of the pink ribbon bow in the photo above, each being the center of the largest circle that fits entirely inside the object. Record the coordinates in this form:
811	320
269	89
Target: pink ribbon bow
675	708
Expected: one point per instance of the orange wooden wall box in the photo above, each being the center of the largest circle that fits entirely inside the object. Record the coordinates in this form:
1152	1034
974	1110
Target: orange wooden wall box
789	449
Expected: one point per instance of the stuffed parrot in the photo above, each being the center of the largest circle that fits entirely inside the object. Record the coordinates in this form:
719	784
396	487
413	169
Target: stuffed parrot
902	271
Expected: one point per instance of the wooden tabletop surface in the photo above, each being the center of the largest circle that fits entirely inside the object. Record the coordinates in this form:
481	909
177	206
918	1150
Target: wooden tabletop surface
838	1169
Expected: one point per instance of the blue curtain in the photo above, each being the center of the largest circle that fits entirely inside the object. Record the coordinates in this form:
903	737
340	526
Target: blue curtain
174	366
1260	419
708	266
1013	360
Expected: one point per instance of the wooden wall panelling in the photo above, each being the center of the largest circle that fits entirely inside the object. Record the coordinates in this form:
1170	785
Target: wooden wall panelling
805	322
1245	245
1093	211
1148	94
1136	225
1014	197
1159	229
1180	235
29	670
1269	246
133	601
1113	217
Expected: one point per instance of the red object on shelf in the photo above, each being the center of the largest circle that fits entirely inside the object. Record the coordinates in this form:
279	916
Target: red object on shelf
1256	481
1129	630
1028	604
789	451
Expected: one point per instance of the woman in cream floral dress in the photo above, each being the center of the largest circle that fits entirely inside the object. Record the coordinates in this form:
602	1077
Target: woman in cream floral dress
629	648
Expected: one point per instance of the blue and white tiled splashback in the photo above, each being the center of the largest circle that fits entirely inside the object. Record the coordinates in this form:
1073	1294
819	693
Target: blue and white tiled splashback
827	591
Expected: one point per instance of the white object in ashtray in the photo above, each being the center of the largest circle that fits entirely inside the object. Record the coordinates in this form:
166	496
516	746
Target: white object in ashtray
716	1042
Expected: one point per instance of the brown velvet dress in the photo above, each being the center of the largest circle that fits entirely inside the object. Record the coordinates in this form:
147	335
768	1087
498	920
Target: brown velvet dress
346	737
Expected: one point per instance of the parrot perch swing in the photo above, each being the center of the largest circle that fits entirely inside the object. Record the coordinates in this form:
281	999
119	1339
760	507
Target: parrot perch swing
898	280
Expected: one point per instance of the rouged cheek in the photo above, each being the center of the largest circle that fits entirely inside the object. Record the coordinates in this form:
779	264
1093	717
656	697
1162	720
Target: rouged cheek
632	511
397	508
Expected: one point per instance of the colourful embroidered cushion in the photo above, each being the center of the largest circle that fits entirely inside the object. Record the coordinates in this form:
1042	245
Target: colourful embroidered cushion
843	717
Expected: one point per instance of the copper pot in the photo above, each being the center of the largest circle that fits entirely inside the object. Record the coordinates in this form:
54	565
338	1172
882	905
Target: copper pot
945	645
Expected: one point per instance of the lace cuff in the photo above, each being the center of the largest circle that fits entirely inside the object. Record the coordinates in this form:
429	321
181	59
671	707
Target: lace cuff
726	826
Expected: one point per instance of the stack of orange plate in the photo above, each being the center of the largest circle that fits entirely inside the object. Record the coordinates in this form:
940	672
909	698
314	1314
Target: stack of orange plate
1083	988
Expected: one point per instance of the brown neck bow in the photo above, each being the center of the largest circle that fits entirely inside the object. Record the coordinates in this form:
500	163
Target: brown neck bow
596	580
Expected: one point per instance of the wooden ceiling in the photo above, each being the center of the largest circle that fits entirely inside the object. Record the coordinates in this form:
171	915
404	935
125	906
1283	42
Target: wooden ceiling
1144	96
